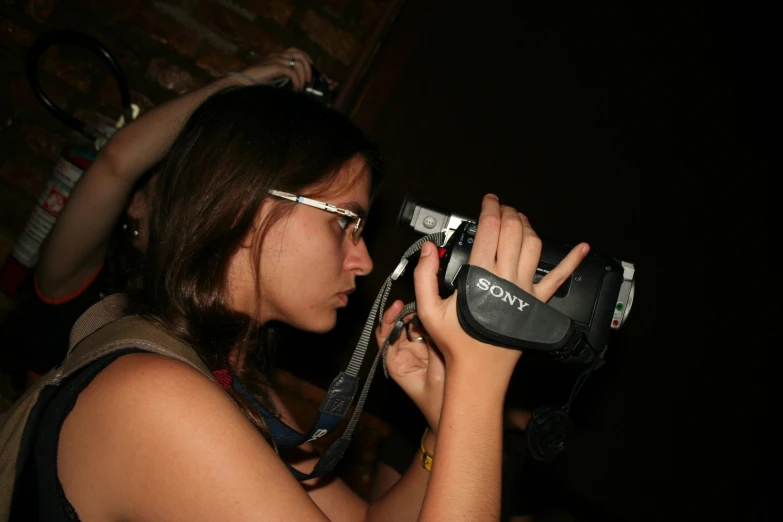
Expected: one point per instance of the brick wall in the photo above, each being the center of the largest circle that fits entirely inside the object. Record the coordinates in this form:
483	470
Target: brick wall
166	47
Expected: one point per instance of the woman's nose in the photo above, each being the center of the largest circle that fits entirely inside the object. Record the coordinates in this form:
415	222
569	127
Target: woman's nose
358	259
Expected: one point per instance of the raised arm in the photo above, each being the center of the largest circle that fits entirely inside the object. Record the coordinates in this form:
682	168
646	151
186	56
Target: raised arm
77	245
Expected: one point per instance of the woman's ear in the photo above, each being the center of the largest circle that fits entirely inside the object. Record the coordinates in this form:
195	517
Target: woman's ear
141	200
138	206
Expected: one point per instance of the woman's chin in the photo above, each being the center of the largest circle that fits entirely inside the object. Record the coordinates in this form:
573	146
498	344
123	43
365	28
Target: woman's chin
320	325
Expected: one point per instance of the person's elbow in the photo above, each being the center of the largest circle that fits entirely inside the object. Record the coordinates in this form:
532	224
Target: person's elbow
113	160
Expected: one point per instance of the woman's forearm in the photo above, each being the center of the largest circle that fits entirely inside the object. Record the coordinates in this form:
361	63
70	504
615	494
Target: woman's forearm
466	473
402	503
465	482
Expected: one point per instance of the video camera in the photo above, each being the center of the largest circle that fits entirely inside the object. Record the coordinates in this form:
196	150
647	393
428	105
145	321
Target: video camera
317	88
573	327
597	297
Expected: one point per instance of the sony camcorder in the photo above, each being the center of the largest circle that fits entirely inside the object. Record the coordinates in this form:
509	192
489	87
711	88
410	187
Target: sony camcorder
595	300
573	327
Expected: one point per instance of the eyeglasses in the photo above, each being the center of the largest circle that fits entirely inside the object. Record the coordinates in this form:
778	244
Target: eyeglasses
352	222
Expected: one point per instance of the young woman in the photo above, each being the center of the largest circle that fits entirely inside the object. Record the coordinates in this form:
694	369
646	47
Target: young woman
229	255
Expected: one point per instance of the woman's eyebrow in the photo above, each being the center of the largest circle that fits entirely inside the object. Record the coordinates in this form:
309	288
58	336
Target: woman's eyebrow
354	207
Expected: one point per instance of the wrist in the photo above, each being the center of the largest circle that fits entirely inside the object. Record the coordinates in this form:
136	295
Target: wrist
429	440
479	376
239	78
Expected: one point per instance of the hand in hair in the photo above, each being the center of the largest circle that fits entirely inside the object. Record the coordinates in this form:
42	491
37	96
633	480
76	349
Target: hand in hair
280	65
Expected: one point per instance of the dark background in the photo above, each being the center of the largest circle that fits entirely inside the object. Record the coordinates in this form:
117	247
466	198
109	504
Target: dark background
644	132
643	129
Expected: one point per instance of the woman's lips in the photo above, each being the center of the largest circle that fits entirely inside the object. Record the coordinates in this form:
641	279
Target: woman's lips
343	296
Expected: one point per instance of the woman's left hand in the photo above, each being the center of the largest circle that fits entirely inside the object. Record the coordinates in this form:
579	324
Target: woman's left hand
293	63
416	366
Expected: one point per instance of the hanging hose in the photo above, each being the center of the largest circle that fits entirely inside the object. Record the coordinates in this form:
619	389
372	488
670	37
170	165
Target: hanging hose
91	44
73	160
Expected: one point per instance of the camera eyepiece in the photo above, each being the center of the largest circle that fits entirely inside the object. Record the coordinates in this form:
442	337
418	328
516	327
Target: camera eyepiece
405	215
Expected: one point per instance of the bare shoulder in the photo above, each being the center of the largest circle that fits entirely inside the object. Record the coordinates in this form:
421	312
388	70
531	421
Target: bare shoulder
136	388
152	438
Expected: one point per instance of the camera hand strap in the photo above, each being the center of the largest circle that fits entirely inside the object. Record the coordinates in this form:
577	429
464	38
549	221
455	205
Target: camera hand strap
496	311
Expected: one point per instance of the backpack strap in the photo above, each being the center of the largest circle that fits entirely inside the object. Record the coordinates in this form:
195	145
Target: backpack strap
97	316
104	329
132	331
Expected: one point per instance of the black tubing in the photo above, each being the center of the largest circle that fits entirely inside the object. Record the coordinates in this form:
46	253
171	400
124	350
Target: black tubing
88	42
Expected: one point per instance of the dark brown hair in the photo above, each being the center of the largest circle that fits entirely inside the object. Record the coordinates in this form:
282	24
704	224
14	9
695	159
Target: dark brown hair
239	144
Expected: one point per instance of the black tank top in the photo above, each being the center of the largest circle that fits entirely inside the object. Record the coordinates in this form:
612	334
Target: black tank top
38	494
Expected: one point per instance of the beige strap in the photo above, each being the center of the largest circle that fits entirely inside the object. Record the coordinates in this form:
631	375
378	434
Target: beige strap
97	316
104	329
132	332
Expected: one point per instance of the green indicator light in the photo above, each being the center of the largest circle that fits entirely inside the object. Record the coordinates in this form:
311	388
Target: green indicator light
619	307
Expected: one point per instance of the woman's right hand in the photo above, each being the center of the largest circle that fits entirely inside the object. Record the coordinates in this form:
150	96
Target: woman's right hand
507	246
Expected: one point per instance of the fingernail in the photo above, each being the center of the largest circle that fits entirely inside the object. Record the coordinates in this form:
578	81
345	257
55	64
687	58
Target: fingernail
585	249
522	216
492	196
426	249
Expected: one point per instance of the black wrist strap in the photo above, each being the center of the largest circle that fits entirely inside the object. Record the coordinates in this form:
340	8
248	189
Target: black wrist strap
496	311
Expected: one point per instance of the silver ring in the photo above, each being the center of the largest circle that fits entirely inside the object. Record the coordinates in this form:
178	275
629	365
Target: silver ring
410	337
292	62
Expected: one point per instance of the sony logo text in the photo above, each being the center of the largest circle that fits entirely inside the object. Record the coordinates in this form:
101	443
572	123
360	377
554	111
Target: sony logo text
497	291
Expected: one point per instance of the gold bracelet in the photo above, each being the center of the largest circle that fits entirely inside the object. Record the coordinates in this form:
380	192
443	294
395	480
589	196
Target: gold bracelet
425	458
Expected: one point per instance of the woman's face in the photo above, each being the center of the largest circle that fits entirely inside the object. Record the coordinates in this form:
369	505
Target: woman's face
309	265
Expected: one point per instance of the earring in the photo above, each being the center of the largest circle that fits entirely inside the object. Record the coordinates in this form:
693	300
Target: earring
131	226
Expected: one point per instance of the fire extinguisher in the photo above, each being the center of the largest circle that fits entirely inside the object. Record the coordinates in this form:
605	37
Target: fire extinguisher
73	161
